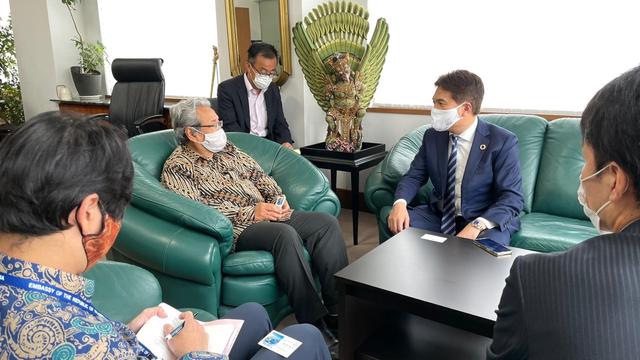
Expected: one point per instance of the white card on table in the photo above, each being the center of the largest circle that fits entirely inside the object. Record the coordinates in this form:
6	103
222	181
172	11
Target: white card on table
435	238
280	343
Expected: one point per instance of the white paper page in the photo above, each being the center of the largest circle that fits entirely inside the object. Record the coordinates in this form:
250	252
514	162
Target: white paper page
435	238
222	333
152	333
219	336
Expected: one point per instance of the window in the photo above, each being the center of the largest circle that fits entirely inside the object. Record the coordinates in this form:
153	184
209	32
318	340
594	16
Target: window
545	55
180	32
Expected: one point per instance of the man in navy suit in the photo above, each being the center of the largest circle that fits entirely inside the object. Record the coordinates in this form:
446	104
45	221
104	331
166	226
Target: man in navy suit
473	165
251	102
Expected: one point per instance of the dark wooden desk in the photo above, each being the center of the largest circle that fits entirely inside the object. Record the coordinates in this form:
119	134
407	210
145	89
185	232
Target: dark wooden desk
352	165
100	106
454	283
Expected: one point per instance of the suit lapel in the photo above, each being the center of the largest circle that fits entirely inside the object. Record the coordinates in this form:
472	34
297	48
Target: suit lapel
475	155
244	101
268	94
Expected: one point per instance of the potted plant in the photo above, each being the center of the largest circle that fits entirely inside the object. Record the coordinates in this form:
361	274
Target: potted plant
11	111
86	76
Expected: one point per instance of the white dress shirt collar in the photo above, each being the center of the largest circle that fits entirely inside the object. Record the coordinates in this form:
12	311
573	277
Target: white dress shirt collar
470	132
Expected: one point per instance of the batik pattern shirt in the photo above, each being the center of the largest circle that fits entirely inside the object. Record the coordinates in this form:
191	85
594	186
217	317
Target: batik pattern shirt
231	181
34	325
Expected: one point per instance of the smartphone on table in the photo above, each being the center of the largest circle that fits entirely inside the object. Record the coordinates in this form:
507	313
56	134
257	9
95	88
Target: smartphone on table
492	247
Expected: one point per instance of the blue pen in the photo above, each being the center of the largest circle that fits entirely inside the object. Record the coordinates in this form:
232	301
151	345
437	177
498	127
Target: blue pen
177	329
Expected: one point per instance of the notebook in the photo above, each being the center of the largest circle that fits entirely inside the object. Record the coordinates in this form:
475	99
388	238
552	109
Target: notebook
222	333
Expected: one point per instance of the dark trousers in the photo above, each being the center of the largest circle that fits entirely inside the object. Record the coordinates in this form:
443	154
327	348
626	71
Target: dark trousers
257	325
423	217
320	234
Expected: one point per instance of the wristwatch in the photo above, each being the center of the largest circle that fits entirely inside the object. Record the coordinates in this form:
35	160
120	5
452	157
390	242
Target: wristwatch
478	225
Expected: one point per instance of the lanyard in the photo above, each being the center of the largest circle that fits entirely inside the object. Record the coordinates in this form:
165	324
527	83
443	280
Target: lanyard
64	296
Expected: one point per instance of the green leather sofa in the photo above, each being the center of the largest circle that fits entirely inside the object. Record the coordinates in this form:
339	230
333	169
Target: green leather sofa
187	245
550	160
122	291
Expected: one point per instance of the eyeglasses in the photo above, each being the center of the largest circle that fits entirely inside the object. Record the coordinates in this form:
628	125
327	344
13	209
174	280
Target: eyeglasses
216	126
272	75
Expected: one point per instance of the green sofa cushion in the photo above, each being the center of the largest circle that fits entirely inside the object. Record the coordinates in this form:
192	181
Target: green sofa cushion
530	131
560	166
251	263
264	289
547	233
399	159
122	290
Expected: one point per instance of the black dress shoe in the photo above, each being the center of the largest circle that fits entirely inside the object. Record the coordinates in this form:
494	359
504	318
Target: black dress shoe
334	351
329	337
332	323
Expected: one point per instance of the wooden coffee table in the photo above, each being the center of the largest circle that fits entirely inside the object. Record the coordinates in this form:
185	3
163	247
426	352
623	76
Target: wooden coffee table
420	295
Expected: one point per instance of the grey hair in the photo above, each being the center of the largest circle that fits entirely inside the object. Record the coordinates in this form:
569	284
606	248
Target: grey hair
183	115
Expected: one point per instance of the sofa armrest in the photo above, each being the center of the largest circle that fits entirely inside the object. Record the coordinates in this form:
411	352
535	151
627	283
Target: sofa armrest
119	283
378	193
306	187
169	248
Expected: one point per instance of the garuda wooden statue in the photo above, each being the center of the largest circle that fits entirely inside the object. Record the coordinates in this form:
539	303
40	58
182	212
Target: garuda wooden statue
341	69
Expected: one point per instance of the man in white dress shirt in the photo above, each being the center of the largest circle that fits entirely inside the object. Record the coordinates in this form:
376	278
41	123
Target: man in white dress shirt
251	102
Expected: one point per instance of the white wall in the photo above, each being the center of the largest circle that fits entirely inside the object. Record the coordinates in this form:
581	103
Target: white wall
34	52
44	51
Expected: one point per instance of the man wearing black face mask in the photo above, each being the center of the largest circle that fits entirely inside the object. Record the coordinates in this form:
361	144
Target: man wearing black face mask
251	102
584	303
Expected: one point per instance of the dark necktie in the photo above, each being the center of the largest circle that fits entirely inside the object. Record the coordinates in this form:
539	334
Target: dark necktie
448	225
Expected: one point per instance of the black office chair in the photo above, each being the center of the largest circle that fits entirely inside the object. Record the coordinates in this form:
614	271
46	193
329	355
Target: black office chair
137	99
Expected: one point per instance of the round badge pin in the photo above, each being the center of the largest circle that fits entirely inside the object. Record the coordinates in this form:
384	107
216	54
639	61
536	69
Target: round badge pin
483	147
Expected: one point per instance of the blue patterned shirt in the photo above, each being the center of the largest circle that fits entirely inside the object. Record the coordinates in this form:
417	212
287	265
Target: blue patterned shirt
34	325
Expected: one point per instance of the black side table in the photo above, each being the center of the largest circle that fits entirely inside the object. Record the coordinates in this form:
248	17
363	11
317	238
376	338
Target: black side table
370	155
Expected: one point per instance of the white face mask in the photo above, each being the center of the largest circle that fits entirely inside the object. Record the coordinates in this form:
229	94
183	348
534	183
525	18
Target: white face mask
262	82
594	216
215	141
443	120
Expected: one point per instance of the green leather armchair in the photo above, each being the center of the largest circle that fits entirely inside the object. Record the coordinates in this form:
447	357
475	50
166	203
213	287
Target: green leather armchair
187	245
550	162
122	291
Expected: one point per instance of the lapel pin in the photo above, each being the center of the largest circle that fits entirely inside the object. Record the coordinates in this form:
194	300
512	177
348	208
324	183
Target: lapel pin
483	147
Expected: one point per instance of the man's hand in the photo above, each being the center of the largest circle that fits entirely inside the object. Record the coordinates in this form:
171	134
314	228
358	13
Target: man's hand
286	211
270	212
469	232
398	218
288	145
192	337
142	318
